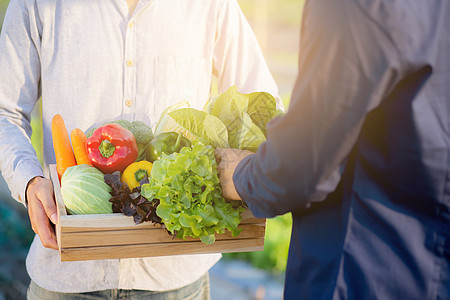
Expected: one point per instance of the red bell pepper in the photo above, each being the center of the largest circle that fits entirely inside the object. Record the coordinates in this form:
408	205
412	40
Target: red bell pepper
111	148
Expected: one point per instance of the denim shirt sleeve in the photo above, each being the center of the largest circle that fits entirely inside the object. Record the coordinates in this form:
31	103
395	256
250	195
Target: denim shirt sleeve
346	67
19	92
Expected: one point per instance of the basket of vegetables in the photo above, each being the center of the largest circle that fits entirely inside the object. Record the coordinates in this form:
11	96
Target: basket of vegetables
123	191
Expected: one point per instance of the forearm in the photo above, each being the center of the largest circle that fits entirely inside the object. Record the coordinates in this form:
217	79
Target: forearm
18	160
343	76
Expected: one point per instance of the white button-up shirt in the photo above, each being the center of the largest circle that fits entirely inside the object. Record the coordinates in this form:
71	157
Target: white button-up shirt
92	62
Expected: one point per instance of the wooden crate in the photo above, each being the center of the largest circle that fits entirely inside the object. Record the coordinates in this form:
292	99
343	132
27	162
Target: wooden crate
109	236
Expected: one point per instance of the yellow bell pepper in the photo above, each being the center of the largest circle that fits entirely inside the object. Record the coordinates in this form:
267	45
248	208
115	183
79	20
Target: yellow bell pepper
135	172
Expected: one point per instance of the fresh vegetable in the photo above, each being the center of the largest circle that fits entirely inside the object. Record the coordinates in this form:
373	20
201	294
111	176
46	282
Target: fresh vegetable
201	126
232	120
167	124
61	145
188	190
165	142
262	108
111	148
142	133
84	191
131	203
136	172
79	146
231	109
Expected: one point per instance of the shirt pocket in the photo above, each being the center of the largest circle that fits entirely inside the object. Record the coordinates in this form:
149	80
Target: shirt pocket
181	78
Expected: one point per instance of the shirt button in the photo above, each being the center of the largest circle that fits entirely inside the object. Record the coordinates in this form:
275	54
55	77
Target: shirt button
129	63
131	25
129	103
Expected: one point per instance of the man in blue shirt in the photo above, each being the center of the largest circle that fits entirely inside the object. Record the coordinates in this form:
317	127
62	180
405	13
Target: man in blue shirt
362	157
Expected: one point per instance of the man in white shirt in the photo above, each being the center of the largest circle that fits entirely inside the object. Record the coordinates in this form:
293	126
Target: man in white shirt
93	61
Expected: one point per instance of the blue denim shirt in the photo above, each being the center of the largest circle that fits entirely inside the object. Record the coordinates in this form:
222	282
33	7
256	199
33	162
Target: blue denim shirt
362	157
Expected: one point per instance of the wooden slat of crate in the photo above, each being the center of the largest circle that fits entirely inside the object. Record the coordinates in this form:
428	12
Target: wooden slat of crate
161	249
77	223
110	236
101	222
60	207
145	236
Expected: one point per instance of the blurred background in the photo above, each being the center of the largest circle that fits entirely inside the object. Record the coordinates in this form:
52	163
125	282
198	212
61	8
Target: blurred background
276	24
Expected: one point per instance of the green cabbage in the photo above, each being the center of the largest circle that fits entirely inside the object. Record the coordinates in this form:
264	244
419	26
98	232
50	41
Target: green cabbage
84	191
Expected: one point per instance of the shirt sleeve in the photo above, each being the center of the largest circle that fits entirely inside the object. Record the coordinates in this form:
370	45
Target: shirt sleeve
238	59
19	92
347	64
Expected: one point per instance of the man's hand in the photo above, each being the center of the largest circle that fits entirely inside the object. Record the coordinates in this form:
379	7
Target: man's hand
228	159
41	208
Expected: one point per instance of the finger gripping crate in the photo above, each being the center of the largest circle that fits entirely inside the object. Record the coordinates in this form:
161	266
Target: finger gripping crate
112	236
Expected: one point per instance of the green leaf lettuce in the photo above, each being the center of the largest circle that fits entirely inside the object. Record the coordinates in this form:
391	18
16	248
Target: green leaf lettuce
188	188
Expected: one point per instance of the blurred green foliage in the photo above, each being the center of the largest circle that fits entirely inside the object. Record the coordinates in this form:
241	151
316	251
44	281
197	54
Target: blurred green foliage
284	12
14	235
276	246
37	136
3	5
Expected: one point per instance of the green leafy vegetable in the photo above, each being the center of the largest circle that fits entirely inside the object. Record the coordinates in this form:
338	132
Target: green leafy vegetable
233	120
189	194
206	128
165	122
262	108
216	131
190	118
246	135
229	107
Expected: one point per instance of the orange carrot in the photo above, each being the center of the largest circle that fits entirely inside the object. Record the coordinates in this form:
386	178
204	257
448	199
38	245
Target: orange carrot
61	144
79	146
